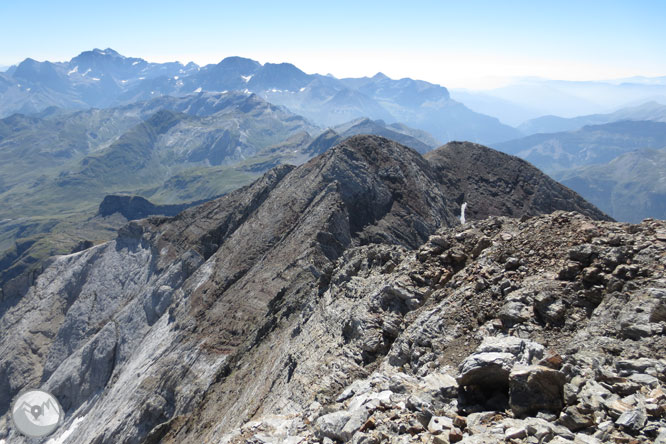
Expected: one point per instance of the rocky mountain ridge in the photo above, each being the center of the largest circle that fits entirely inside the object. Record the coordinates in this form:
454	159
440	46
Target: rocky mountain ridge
173	150
540	330
184	328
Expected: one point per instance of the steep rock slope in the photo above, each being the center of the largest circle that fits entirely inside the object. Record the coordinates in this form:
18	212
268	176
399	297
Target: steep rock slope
546	329
182	328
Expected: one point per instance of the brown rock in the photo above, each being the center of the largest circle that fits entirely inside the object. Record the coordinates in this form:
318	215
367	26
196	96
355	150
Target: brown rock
534	389
455	435
552	360
460	422
368	425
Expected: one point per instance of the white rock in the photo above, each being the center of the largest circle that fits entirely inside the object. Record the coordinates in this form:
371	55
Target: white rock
331	425
439	424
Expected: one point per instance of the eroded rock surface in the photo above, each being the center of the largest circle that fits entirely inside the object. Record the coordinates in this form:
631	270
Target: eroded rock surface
342	301
458	373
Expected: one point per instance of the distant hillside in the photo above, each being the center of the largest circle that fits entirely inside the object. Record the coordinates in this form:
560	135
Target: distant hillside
630	188
57	168
417	140
58	161
651	111
594	144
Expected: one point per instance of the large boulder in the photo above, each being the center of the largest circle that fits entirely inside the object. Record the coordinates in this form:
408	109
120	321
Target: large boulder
484	375
493	360
534	389
331	425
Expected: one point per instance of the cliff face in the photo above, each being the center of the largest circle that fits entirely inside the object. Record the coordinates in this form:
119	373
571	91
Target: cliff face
265	300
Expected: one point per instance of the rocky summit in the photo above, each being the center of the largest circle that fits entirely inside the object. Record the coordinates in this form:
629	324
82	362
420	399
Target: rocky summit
344	301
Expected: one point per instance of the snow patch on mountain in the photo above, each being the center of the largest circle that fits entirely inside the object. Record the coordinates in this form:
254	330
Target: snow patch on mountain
62	438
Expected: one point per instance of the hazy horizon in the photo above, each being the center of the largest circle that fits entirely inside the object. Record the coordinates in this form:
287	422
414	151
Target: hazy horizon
487	83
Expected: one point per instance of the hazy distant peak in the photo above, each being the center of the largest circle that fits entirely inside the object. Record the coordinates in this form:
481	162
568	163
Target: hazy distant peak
362	120
652	104
32	70
107	51
27	63
380	76
96	52
283	67
28	60
240	63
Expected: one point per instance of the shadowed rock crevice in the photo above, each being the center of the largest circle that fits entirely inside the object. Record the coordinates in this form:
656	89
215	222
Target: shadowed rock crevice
137	207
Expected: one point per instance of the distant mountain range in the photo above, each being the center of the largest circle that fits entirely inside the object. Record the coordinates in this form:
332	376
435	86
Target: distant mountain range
104	78
175	134
620	166
529	98
651	111
593	144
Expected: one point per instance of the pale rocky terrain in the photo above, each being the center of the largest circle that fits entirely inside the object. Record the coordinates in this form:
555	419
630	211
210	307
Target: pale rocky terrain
549	329
342	301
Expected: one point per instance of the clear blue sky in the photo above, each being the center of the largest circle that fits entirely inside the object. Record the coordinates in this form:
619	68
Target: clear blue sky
447	42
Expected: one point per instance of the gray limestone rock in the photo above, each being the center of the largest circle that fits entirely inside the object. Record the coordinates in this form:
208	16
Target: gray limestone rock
493	360
633	420
441	384
440	424
573	419
332	425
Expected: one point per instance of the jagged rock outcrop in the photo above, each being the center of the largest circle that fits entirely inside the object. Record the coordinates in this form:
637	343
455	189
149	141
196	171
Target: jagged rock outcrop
309	288
589	381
